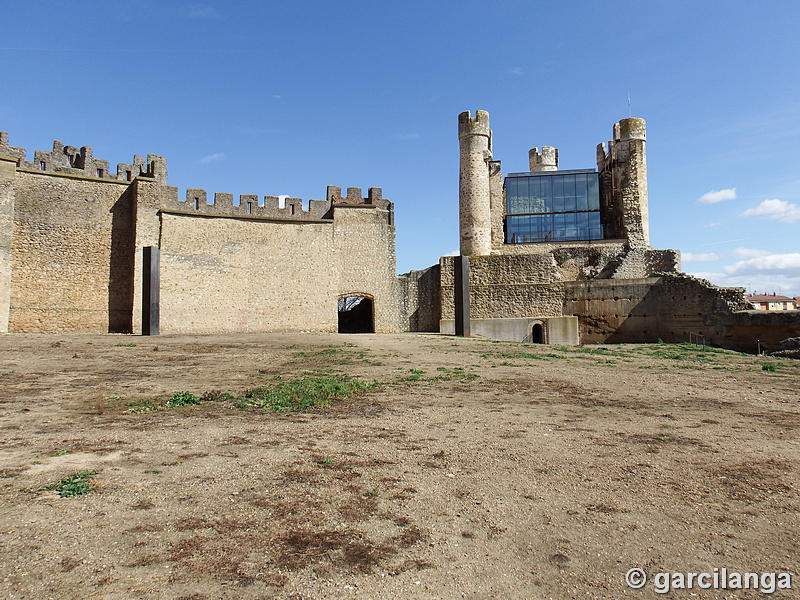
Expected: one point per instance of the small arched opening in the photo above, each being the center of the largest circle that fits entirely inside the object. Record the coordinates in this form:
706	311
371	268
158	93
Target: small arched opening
537	333
356	314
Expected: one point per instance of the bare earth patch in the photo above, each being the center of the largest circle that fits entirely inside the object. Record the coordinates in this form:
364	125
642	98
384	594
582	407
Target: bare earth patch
462	468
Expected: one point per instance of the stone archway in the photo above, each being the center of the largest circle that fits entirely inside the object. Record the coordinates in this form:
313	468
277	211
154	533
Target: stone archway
356	313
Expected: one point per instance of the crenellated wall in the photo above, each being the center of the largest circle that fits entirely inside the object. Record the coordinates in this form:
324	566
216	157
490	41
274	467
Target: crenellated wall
72	237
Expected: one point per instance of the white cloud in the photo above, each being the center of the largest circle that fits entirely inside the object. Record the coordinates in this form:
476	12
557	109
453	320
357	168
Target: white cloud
750	252
452	253
778	210
217	156
699	256
276	96
717	196
517	71
712	224
760	270
784	264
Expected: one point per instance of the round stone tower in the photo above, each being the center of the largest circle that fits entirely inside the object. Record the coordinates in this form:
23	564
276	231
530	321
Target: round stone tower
630	177
475	220
544	160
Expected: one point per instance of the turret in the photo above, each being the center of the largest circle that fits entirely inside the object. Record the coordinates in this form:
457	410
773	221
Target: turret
475	141
623	175
544	160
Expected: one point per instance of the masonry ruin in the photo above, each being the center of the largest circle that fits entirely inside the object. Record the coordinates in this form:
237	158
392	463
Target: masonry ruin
564	257
552	256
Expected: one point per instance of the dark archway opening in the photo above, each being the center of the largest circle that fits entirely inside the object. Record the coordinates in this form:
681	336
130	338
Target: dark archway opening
356	315
537	334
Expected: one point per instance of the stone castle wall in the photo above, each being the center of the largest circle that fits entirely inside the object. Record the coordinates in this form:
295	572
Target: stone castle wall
670	307
72	237
70	255
420	294
666	306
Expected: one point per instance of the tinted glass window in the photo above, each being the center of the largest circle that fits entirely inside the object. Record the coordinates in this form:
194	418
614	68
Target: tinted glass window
553	207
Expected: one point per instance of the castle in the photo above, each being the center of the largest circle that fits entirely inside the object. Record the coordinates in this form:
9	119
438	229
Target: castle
553	256
73	238
564	257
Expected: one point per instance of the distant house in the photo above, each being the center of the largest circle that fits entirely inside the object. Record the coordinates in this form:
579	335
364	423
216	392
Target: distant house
772	302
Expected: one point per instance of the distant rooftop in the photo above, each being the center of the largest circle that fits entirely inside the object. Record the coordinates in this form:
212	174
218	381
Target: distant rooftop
768	298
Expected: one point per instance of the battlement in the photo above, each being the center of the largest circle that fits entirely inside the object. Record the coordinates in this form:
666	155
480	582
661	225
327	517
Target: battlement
354	198
196	200
473	126
543	160
70	160
632	128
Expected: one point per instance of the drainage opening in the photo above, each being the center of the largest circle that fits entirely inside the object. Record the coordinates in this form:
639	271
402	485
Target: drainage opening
537	334
356	315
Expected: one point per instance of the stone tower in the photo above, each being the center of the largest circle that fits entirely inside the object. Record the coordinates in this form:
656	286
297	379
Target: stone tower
475	223
623	175
546	160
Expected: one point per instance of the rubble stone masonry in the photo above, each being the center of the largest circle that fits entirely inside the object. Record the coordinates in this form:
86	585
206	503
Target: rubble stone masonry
72	236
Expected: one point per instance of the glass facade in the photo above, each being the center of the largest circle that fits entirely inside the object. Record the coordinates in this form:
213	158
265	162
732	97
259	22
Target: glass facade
558	206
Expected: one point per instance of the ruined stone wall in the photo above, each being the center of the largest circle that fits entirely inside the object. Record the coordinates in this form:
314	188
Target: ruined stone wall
506	286
670	307
71	254
420	294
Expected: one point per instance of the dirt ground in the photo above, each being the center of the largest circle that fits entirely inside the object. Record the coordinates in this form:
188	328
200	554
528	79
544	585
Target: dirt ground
475	470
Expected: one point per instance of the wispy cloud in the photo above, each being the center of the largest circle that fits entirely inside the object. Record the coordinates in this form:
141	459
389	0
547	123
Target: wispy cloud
743	253
517	71
209	158
712	224
452	253
715	196
777	210
200	11
699	256
406	137
276	96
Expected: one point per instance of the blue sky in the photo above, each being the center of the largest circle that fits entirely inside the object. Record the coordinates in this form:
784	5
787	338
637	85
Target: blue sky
286	98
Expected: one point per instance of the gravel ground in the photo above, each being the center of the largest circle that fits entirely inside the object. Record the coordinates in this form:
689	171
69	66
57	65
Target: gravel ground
473	470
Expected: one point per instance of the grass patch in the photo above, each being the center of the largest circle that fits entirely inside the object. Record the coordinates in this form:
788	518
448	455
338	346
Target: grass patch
416	375
61	453
125	345
177	399
77	484
312	390
769	367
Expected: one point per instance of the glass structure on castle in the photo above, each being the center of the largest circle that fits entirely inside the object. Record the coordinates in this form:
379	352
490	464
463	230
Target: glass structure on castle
552	206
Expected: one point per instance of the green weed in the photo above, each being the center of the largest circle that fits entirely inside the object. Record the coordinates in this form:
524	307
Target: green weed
182	399
303	393
76	484
416	375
